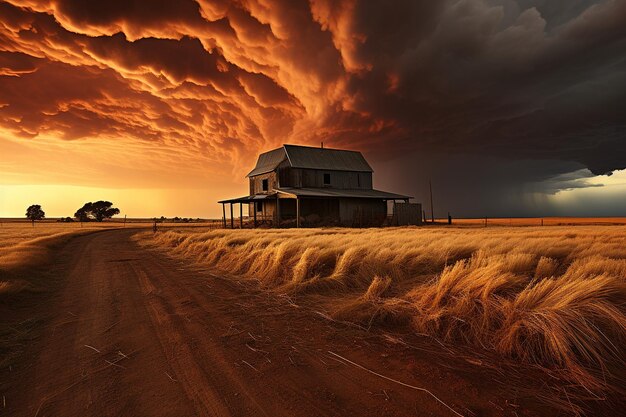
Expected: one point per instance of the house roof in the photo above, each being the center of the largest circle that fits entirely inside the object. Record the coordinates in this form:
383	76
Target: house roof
330	192
318	193
268	161
311	158
249	198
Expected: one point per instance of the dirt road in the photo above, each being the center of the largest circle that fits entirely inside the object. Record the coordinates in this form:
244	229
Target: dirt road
131	332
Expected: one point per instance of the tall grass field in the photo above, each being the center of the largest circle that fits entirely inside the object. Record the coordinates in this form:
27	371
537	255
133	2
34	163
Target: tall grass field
553	297
23	245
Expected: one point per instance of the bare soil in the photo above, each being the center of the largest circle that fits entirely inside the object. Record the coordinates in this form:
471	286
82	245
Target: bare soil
130	332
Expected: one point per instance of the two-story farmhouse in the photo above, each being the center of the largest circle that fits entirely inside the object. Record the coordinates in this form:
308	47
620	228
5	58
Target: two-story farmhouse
306	185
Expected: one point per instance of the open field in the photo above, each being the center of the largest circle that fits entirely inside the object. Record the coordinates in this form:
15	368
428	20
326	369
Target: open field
21	242
538	221
131	331
23	245
547	297
440	321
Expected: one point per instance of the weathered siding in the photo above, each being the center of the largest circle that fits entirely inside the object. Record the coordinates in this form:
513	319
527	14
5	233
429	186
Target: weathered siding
268	210
256	183
324	210
314	178
361	212
405	214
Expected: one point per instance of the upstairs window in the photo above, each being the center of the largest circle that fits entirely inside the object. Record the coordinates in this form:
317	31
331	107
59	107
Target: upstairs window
326	179
264	184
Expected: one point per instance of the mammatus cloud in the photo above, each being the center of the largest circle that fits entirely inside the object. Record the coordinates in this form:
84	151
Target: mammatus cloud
214	82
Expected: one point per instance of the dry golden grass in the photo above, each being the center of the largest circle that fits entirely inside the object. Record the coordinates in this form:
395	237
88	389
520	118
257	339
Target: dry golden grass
553	297
22	245
538	221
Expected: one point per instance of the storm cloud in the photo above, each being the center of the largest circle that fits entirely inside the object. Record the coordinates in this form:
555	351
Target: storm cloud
538	84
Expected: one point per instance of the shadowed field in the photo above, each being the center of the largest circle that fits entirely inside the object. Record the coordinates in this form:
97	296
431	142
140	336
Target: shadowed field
436	321
548	297
128	331
537	221
25	246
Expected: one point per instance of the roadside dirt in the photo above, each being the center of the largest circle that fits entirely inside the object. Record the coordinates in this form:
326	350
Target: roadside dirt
131	332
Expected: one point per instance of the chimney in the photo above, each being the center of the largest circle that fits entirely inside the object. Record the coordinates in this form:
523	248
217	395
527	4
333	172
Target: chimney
322	145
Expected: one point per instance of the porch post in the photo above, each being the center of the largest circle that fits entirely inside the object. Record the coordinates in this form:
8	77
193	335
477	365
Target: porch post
297	212
254	203
232	221
241	215
224	214
277	211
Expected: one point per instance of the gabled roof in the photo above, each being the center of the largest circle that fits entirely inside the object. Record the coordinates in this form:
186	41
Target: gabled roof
268	161
311	158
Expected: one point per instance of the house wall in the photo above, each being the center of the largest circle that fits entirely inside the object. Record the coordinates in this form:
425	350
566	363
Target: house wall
351	212
327	209
268	208
314	178
406	214
362	211
256	183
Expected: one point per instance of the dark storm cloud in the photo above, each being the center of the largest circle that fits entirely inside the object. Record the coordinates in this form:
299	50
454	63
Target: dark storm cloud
514	80
462	80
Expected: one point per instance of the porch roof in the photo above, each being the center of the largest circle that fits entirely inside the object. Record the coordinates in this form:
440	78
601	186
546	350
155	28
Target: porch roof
249	198
335	193
290	192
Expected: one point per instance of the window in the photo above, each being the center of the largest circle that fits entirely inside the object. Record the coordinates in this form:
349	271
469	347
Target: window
358	180
259	206
264	183
326	179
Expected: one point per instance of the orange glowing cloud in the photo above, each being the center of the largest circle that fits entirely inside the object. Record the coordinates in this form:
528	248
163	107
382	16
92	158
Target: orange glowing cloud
187	93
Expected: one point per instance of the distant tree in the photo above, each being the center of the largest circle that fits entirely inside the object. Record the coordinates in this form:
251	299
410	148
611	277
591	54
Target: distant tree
82	214
35	212
97	211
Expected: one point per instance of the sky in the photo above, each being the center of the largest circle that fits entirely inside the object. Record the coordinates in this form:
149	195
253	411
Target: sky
508	107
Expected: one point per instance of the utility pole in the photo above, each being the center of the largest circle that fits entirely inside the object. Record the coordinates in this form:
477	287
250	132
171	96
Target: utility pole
432	212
